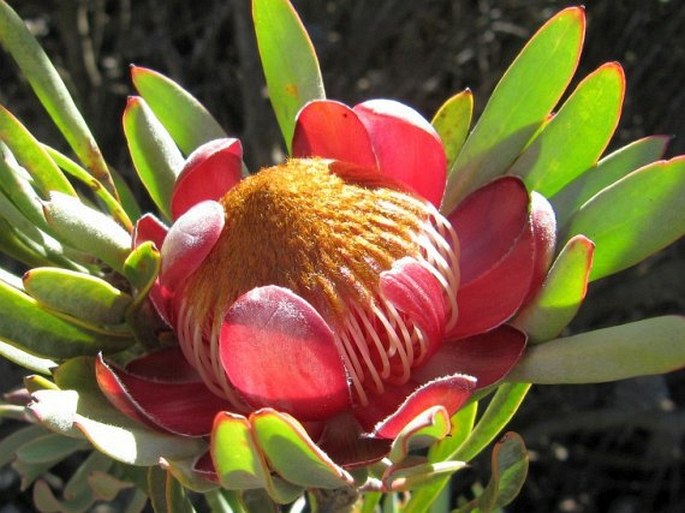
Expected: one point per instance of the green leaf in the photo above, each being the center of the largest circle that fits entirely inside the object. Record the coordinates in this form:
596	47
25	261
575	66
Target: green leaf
88	230
142	267
184	471
509	471
110	202
240	464
31	154
27	326
291	453
635	217
15	182
519	105
49	448
186	119
12	442
399	478
80	482
51	91
607	171
561	294
222	501
128	199
155	155
289	61
77	294
452	122
642	348
25	360
79	409
177	500
574	139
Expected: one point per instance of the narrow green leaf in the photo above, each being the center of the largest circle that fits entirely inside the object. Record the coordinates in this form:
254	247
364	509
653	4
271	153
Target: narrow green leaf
81	295
49	448
25	325
88	230
109	201
51	91
186	119
106	487
156	489
607	171
12	442
128	199
26	360
407	478
521	102
635	217
17	246
17	219
222	501
292	454
185	473
642	348
561	294
575	138
452	122
31	154
80	409
155	155
290	65
78	484
177	500
502	407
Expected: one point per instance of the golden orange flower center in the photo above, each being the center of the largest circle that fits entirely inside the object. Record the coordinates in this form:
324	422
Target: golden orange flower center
327	236
300	226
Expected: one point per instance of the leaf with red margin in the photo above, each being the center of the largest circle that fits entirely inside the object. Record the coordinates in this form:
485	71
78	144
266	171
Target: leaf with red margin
561	294
292	454
519	105
290	65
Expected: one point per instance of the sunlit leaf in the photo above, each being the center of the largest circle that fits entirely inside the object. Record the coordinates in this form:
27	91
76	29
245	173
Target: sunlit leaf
88	230
78	294
185	118
452	122
642	348
289	61
561	294
635	217
577	135
611	168
32	156
519	105
25	325
155	155
51	91
290	452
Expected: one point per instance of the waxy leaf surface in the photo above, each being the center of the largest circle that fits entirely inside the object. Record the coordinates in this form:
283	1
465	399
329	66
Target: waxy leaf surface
574	139
635	217
289	61
185	118
452	122
642	348
610	169
521	102
155	155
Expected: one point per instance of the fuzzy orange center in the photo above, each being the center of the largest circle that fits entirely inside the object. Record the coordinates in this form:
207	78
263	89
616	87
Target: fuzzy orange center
300	226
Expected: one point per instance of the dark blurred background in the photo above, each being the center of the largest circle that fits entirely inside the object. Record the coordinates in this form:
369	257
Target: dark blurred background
614	448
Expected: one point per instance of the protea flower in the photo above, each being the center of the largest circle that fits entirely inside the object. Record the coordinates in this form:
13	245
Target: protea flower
331	288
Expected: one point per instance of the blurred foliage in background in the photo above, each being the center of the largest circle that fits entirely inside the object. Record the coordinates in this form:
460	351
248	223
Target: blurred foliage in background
609	448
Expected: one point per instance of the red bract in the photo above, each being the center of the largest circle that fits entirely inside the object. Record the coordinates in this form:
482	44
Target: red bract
331	288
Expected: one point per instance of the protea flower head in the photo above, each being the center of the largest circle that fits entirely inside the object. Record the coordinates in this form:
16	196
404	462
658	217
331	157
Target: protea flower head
330	287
